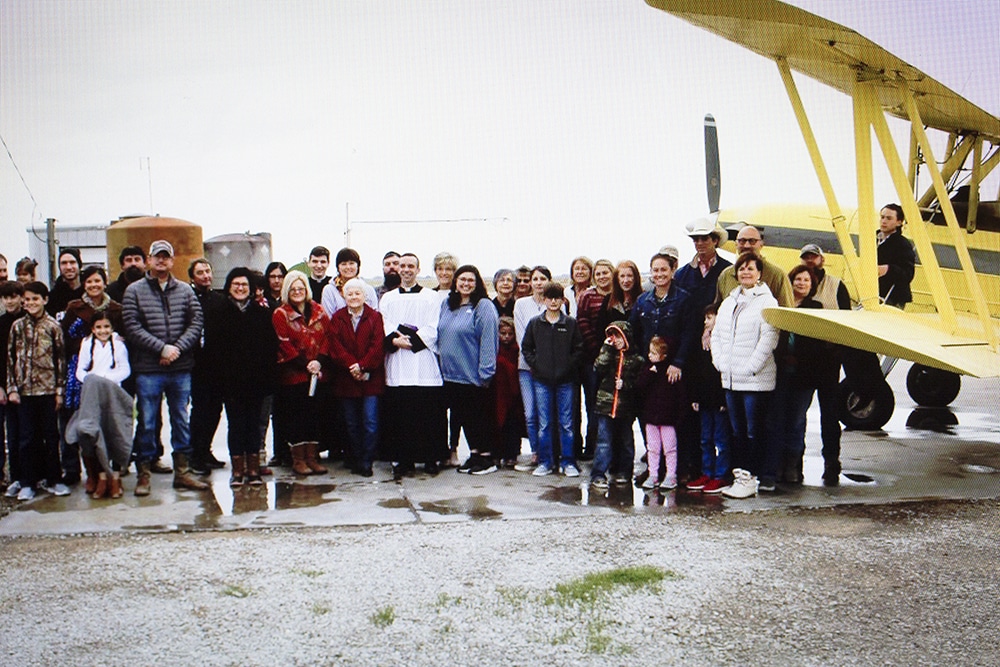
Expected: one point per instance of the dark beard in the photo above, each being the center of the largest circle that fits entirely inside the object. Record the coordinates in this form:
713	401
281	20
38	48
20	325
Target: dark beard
133	273
392	281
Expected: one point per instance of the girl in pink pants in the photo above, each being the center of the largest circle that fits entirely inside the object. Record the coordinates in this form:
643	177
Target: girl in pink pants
662	408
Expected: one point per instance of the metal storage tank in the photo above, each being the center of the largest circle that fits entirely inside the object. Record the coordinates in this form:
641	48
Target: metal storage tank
228	251
184	236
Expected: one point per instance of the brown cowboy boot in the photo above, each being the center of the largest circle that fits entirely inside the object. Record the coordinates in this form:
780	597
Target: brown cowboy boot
299	466
183	478
253	470
312	458
93	468
115	486
101	488
239	466
142	478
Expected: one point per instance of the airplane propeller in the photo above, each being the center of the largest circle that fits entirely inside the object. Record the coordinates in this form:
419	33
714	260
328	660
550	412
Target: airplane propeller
713	175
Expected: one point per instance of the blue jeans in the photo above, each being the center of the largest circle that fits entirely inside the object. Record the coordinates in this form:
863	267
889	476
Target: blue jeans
787	417
747	410
527	382
554	401
715	442
615	447
361	417
150	389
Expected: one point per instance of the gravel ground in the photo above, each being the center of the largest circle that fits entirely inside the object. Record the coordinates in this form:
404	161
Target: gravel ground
892	585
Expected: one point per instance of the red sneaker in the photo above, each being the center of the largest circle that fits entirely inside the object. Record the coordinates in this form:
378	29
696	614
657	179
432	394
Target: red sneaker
713	486
698	484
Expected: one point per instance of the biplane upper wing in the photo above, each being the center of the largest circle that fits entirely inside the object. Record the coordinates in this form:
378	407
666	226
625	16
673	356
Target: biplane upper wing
894	333
835	55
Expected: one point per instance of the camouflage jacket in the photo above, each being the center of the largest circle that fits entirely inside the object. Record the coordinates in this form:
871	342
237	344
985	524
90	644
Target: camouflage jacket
36	359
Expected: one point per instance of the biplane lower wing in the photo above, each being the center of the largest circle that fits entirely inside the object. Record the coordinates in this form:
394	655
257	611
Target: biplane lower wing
893	333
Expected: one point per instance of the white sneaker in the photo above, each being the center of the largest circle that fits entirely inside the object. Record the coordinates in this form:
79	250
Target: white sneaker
542	471
650	483
59	489
527	466
668	484
13	489
571	471
27	493
744	485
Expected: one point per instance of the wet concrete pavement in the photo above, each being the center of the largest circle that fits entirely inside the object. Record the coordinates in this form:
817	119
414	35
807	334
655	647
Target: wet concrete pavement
921	454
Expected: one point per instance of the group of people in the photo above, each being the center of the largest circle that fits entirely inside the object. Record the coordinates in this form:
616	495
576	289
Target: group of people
396	373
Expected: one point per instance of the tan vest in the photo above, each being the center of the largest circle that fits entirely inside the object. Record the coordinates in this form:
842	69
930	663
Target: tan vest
826	293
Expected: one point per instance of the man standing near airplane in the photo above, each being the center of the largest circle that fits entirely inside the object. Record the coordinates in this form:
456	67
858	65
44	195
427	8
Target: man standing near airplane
832	293
163	322
750	239
831	290
700	278
896	258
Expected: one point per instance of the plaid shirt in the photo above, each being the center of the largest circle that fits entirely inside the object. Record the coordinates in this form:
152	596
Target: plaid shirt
36	361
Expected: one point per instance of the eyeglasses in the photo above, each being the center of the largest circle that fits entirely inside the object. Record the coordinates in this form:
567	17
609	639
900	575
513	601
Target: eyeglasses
747	241
296	290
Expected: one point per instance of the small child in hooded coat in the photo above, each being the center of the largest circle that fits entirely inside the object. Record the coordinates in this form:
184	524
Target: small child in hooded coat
616	406
663	408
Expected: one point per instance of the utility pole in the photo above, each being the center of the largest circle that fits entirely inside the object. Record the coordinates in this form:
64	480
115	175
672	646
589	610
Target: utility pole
52	243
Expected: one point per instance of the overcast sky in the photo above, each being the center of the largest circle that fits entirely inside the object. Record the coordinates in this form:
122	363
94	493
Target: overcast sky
563	127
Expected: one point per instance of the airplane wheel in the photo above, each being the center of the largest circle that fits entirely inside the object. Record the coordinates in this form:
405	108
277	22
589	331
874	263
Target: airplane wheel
932	387
866	407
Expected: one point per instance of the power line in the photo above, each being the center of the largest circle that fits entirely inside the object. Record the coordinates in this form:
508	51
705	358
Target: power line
27	189
21	176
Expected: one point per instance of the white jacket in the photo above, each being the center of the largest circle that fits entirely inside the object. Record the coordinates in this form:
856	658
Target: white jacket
743	343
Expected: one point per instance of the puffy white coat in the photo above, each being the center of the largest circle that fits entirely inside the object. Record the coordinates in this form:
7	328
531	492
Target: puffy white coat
743	342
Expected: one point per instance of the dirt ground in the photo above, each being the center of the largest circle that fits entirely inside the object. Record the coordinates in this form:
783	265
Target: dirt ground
896	584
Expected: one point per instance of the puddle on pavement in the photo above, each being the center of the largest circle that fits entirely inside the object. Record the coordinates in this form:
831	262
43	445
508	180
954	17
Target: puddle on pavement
394	503
476	507
936	420
626	498
226	501
979	469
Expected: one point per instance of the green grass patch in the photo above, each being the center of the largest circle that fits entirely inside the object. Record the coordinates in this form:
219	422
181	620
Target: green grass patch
384	617
564	637
236	591
312	574
590	587
597	640
445	600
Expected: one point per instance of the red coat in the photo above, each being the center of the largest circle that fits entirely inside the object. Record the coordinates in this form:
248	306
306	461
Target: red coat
362	346
300	342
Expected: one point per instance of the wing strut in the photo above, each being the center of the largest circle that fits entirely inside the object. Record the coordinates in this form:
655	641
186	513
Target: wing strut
975	288
836	216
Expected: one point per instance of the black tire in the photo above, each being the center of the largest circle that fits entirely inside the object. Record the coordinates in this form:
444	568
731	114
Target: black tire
866	406
932	387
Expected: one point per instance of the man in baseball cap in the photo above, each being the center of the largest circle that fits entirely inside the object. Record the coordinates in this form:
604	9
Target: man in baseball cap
161	246
810	249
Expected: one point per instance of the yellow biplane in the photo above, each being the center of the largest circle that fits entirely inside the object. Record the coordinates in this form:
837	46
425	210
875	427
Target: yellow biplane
952	327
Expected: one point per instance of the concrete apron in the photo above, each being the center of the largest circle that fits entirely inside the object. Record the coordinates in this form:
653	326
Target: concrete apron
921	455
